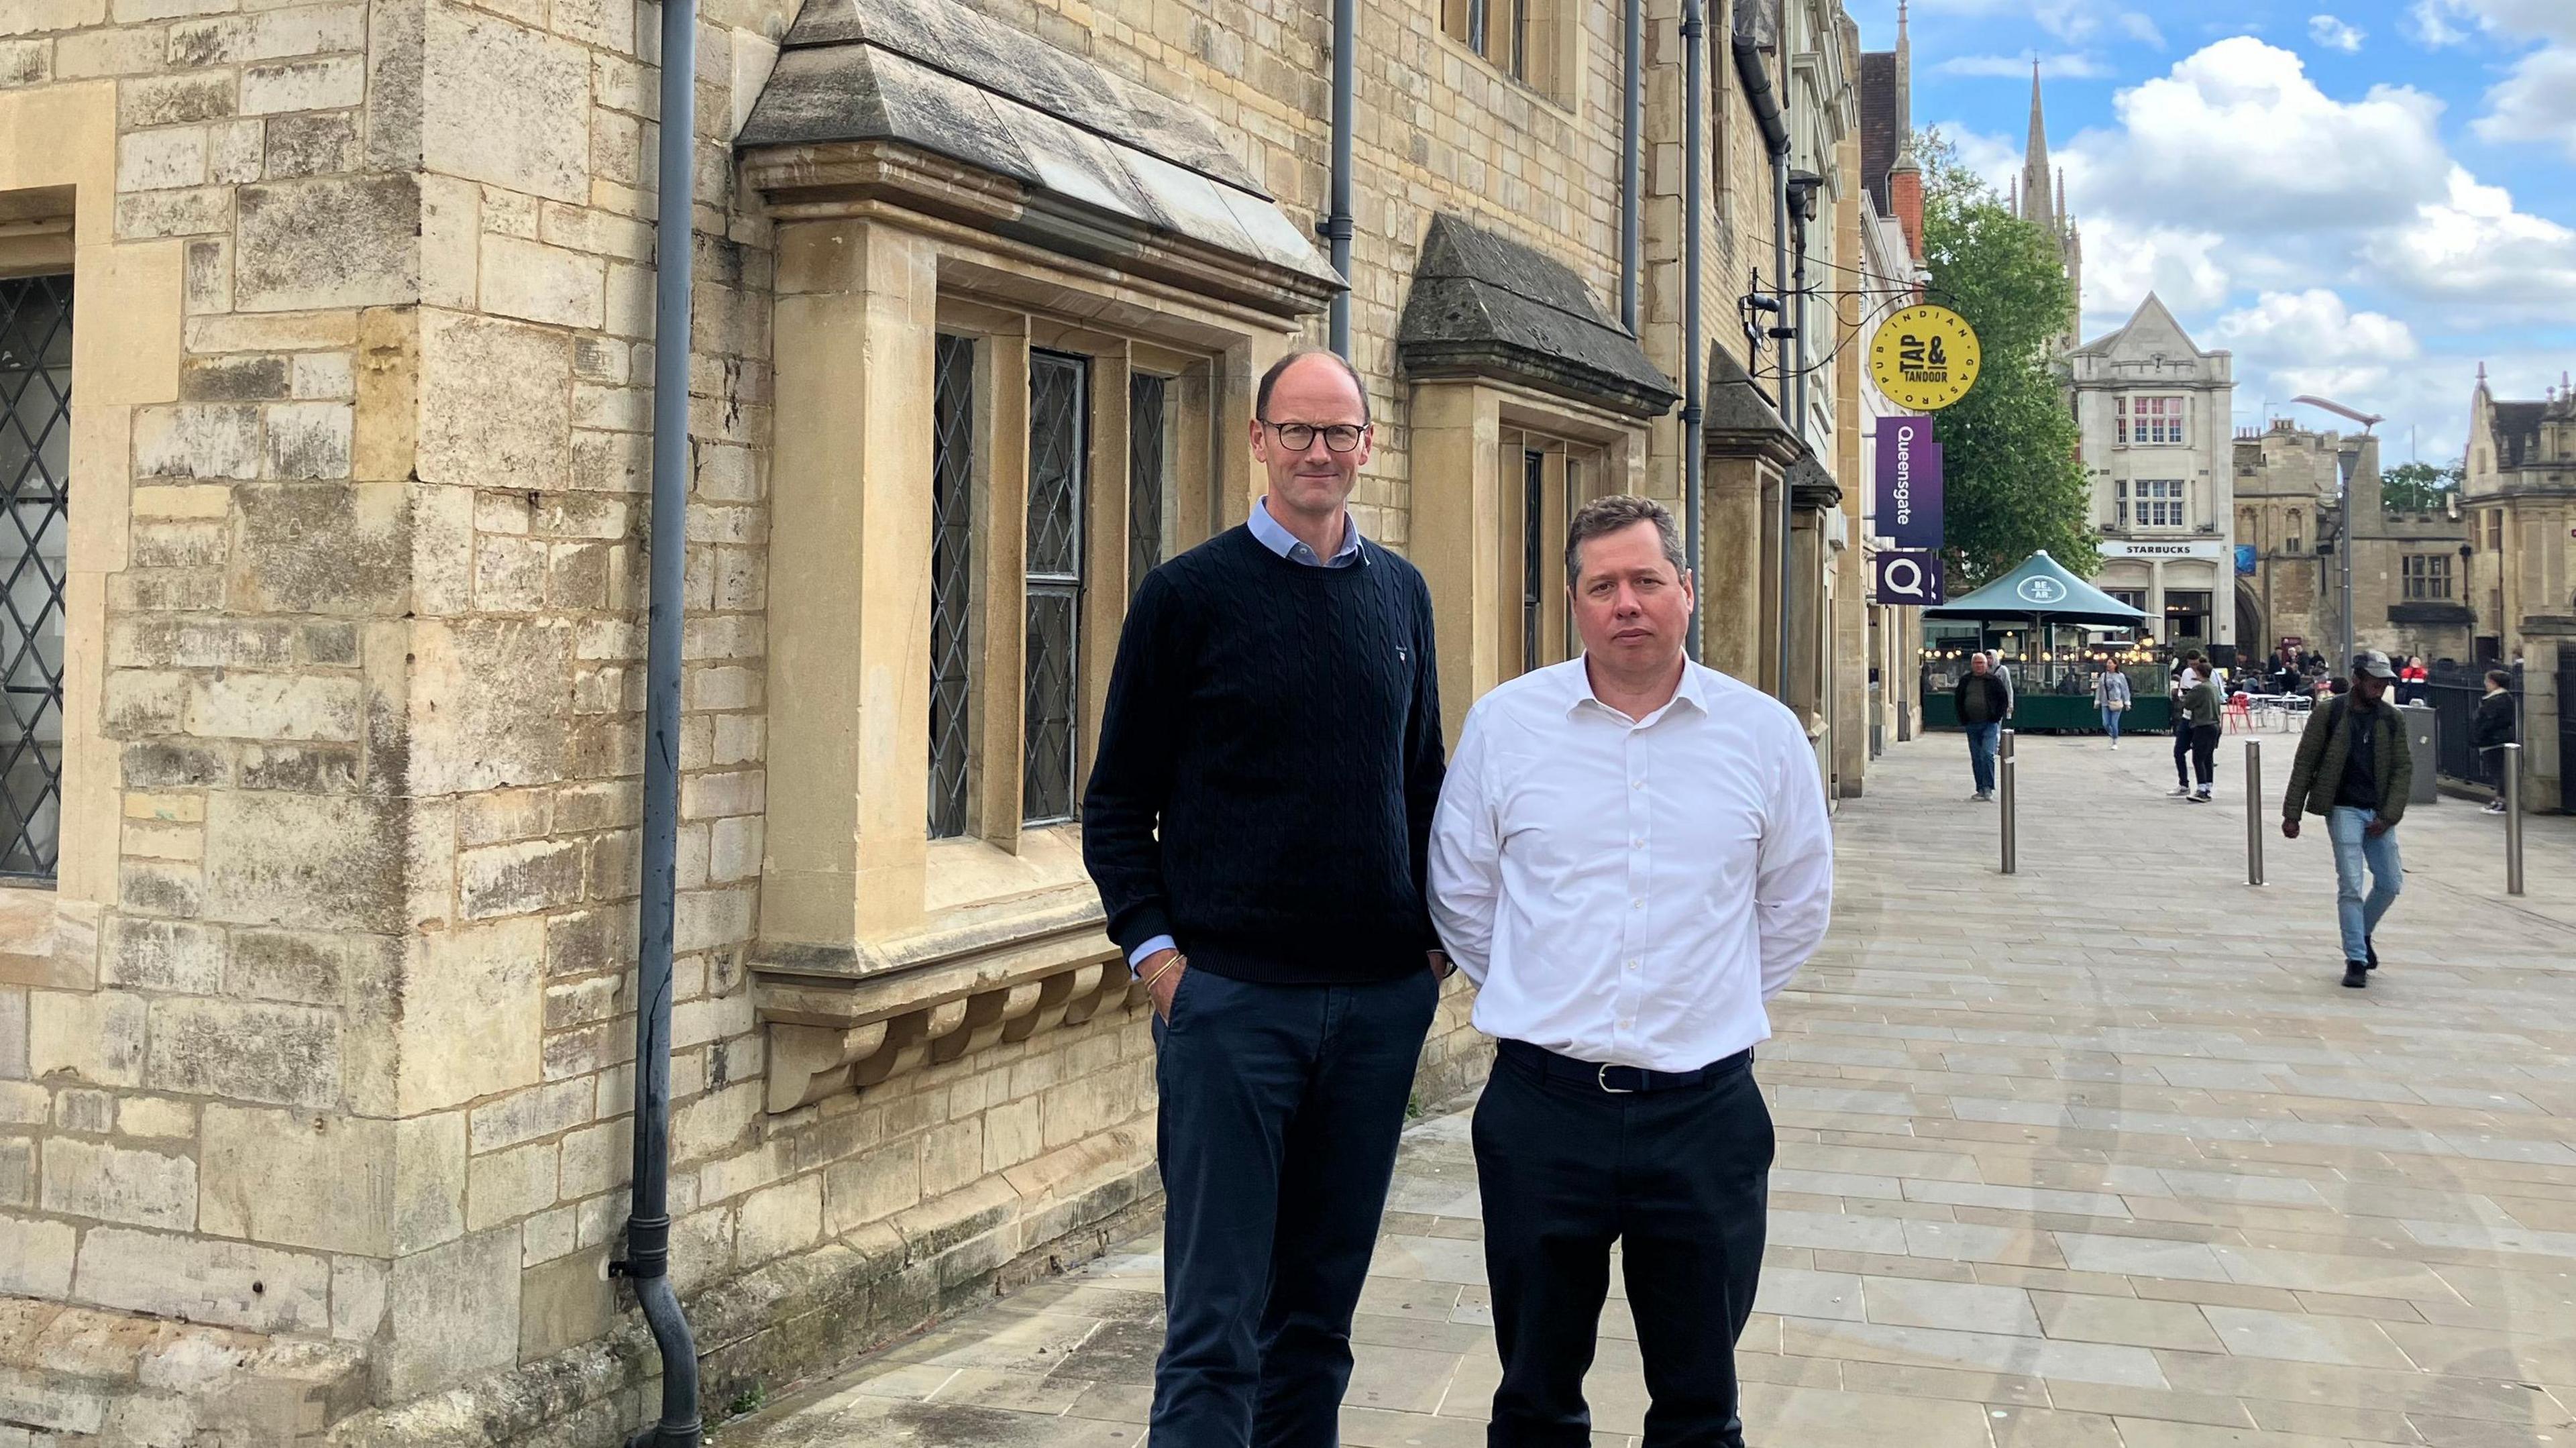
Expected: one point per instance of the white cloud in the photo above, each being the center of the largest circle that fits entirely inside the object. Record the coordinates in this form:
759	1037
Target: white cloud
2537	102
2428	23
2070	66
2335	34
2320	327
2123	262
2238	136
1994	159
2473	246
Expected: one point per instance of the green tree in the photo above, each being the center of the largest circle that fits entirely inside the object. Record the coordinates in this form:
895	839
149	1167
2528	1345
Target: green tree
2418	487
2011	479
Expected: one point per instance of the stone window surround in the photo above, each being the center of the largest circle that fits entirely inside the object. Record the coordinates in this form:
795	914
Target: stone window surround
1004	336
880	949
1466	512
58	198
1558	502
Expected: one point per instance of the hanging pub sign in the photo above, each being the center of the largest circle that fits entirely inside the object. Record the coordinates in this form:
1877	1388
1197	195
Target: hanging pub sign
1908	504
1924	358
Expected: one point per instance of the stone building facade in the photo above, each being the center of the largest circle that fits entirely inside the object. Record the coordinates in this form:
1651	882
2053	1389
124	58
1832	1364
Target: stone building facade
2519	494
2153	413
2409	574
331	326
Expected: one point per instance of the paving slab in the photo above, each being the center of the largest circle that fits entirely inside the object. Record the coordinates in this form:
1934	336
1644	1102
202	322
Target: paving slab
2095	1155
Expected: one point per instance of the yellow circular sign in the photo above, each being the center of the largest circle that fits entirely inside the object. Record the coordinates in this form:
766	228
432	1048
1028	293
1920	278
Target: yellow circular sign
1924	358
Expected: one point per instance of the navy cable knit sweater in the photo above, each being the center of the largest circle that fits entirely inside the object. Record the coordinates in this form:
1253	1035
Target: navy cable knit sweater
1268	766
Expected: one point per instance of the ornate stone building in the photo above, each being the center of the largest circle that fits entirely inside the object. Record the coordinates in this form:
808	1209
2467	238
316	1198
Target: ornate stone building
2409	575
328	330
2153	413
2519	493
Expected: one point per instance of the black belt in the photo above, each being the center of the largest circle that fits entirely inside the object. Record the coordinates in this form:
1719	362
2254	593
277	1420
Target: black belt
1618	1080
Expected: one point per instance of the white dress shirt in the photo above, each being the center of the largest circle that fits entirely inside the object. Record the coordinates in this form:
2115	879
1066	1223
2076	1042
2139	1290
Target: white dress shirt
1631	891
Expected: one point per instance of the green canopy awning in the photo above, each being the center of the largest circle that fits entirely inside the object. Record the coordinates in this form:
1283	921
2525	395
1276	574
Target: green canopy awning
2039	591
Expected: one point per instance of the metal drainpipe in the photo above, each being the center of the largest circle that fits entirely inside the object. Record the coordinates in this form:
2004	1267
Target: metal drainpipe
1775	138
1797	347
648	1225
1632	132
1695	108
1788	358
1337	225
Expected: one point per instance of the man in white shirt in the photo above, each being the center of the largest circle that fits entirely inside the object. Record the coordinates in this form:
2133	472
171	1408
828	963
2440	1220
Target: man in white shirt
1630	858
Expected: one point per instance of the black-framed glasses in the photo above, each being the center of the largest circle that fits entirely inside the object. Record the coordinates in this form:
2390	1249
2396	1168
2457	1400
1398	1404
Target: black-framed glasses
1341	437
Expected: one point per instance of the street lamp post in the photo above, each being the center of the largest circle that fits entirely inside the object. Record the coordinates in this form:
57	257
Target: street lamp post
2345	463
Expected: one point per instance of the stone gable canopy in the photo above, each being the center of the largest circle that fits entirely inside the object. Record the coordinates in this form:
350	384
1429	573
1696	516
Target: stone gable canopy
1484	305
1088	165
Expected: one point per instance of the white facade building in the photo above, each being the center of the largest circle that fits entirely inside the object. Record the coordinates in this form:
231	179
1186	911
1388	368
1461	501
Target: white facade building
2158	448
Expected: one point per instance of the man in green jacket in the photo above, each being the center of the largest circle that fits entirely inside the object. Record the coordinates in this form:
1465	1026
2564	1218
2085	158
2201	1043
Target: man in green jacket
2354	769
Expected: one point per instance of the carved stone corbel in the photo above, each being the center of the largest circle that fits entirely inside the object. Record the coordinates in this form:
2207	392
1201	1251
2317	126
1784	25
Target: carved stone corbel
844	1020
808	1063
988	1015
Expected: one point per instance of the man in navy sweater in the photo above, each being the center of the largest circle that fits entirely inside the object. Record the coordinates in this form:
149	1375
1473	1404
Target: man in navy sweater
1258	823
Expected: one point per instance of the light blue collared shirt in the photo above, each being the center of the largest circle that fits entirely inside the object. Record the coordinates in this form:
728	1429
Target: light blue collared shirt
1275	537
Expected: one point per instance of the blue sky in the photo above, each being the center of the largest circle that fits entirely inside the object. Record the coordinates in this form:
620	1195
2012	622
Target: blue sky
2359	198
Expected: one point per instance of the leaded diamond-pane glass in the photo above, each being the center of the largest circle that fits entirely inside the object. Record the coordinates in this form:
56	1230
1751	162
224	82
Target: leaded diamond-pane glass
952	462
1145	477
1059	449
1056	445
1046	788
35	472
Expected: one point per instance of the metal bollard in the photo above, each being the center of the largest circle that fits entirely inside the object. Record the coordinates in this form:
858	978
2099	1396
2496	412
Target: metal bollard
2513	819
2004	762
2253	811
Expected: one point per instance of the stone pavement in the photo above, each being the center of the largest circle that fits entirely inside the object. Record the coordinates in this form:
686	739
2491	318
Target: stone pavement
2096	1155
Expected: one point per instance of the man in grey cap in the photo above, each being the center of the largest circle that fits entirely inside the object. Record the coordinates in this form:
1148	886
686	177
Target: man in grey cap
2353	768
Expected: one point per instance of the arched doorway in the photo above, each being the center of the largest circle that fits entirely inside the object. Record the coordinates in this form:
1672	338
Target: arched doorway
2253	638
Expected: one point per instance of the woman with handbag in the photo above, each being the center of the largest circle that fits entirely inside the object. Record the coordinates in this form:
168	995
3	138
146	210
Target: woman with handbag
2111	696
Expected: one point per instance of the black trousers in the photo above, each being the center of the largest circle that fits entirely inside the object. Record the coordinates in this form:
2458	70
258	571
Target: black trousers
1276	1132
1681	1179
2182	750
2204	752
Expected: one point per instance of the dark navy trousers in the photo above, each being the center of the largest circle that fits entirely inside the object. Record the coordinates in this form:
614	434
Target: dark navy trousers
1276	1133
1680	1179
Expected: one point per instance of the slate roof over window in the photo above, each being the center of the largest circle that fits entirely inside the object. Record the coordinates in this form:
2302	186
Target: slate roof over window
1737	417
936	75
1485	305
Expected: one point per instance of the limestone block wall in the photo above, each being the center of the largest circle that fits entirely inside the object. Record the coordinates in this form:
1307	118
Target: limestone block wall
322	1043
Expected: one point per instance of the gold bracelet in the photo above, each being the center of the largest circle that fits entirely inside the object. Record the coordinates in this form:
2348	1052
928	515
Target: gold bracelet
1157	977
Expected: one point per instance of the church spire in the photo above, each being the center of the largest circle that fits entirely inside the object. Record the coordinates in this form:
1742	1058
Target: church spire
2037	195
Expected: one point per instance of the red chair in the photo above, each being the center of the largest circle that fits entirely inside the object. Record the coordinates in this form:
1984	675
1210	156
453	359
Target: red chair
2238	707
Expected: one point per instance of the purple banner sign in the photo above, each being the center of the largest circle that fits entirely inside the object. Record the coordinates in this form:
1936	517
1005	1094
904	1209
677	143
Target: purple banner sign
1908	504
1912	579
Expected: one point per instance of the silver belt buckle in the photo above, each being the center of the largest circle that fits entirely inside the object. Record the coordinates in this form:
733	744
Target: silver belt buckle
1601	1078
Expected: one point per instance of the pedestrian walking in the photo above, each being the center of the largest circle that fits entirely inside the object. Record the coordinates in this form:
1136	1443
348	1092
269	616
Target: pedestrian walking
2201	707
2492	731
1631	858
2353	767
2187	674
1257	823
1983	704
2111	696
